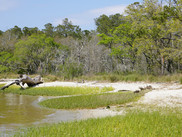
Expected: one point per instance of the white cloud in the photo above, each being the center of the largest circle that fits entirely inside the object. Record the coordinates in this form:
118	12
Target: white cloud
109	10
7	4
86	19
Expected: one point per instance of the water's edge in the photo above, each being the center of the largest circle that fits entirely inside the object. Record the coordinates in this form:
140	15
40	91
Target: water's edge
22	111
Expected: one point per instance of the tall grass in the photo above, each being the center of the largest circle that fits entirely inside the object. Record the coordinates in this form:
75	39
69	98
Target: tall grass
133	77
108	77
180	80
133	124
47	78
56	91
8	75
91	101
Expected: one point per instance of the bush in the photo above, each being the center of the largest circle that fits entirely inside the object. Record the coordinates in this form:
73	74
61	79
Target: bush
113	78
181	80
71	70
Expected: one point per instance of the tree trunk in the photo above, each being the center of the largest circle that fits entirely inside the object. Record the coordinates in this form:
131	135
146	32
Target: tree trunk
25	79
162	67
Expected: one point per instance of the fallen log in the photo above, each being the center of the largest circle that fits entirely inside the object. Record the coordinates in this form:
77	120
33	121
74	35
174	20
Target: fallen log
7	85
31	82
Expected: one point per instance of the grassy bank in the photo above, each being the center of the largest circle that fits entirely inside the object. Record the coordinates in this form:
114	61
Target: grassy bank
135	123
108	77
56	91
133	77
91	101
47	78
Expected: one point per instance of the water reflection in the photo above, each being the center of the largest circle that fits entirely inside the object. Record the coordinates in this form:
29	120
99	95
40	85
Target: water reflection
22	111
19	110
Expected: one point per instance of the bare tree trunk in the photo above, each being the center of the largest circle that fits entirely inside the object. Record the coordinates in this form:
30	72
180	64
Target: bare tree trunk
25	79
7	85
162	67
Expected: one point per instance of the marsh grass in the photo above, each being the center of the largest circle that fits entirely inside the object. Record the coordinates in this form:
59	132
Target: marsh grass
91	101
107	77
56	91
133	124
1	85
46	78
8	76
133	77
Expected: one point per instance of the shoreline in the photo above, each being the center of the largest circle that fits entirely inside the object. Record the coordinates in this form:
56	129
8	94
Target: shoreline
162	94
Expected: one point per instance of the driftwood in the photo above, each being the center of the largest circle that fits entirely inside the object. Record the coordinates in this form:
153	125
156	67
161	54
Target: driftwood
31	82
145	88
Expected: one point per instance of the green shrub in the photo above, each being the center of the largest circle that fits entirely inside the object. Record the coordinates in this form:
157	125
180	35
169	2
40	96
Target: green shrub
113	78
71	70
181	80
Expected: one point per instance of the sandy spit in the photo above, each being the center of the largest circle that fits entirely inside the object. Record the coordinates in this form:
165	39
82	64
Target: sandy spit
163	94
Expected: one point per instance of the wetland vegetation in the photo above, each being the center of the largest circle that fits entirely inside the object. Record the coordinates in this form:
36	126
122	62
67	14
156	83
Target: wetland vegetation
91	101
56	91
133	123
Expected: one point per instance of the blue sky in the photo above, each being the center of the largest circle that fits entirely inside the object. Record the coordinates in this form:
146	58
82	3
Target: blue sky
36	13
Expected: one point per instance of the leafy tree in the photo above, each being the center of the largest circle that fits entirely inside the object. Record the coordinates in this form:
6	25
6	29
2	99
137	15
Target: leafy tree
154	22
16	31
1	32
103	24
35	53
106	40
68	29
106	23
6	61
65	29
125	36
49	30
29	31
147	39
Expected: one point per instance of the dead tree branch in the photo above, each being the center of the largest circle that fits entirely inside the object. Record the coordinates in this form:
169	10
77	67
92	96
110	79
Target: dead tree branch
31	82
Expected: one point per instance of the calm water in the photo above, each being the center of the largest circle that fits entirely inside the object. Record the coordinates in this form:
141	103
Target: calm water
18	111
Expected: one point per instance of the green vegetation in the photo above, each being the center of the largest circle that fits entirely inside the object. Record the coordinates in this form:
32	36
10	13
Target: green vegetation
132	77
146	40
47	78
91	101
8	76
135	123
107	77
180	80
144	44
1	85
56	91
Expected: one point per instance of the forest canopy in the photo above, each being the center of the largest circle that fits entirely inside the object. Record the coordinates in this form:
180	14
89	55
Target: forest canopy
146	39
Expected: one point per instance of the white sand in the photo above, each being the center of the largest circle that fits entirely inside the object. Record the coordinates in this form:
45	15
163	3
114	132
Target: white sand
116	86
163	98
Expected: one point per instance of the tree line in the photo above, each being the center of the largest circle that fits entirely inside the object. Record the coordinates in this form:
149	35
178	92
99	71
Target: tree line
145	39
